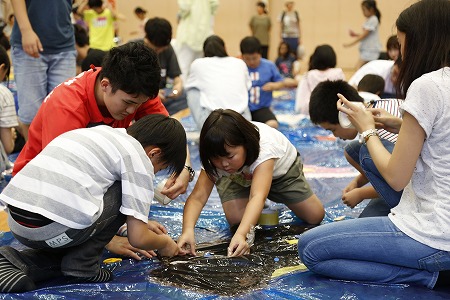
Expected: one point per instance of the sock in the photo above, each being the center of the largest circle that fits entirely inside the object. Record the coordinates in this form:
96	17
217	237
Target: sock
12	279
443	279
103	275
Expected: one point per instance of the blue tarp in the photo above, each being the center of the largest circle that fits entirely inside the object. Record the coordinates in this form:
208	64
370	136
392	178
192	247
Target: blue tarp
131	278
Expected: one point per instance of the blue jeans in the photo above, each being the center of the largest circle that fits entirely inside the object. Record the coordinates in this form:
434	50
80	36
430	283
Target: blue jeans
37	77
360	154
371	250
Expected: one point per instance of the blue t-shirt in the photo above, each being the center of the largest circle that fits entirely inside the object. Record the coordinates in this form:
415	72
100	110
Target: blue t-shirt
50	20
264	73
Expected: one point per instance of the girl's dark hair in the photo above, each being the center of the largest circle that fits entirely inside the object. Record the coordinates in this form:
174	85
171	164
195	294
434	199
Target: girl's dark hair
323	58
132	68
392	43
427	40
288	52
262	5
4	59
372	4
166	133
225	127
214	46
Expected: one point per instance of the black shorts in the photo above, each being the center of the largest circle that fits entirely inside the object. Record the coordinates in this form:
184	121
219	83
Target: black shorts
263	115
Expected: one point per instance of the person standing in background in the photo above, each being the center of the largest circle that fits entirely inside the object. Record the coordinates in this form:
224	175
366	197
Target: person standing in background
290	26
260	26
141	14
195	25
43	53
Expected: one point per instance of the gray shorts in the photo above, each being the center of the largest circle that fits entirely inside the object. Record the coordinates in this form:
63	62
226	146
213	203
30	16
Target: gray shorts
288	189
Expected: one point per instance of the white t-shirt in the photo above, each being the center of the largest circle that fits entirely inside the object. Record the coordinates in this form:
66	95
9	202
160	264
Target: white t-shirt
273	145
424	209
223	82
8	116
379	67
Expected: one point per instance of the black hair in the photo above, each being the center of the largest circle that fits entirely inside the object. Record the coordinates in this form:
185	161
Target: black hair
371	83
250	45
225	127
158	31
4	40
139	10
323	58
322	104
288	52
214	46
95	3
262	5
4	59
166	133
372	4
81	35
392	43
427	40
132	68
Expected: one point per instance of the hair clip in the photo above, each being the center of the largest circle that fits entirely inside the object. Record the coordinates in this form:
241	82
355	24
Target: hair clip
93	67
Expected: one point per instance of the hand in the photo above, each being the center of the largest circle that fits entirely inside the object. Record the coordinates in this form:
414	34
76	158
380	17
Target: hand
171	248
238	246
385	120
352	198
268	87
186	243
362	119
162	95
156	227
352	33
31	43
176	91
176	186
121	246
351	186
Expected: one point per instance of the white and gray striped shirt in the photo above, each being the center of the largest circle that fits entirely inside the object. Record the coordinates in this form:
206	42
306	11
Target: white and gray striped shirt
66	182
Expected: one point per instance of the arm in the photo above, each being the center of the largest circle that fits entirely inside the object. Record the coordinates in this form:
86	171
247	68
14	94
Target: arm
359	37
140	237
261	182
8	138
272	86
31	43
82	7
176	186
192	209
396	169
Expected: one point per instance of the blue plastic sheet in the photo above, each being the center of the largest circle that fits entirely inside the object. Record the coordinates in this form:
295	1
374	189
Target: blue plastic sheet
131	278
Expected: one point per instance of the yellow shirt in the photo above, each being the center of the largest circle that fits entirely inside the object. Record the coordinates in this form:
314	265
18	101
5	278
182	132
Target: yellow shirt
101	29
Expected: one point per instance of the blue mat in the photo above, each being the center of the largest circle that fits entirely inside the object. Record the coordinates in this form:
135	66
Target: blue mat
131	278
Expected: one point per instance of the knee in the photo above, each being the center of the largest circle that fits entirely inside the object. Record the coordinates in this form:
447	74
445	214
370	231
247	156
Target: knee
306	249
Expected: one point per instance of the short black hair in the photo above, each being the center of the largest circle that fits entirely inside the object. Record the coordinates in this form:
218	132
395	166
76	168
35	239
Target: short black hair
158	31
226	127
132	68
95	3
371	83
214	46
139	10
323	58
250	45
81	35
166	133
322	104
392	43
4	59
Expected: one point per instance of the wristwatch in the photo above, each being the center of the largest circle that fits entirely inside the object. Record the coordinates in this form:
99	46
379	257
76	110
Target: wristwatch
368	133
191	172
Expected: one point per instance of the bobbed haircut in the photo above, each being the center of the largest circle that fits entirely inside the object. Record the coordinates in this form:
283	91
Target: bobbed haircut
427	40
132	68
323	58
322	104
371	83
226	127
250	45
214	46
158	31
166	133
81	35
392	43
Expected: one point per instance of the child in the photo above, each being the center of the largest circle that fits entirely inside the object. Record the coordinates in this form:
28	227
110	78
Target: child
265	78
86	56
411	245
322	66
393	49
323	111
371	87
122	90
71	199
370	45
285	60
8	116
247	162
141	14
260	26
290	26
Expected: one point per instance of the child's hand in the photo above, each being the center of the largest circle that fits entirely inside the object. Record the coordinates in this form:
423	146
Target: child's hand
171	248
351	186
121	246
352	33
156	227
186	243
352	198
238	246
385	120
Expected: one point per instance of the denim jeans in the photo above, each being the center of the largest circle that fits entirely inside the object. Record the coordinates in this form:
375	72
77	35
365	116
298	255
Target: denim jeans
371	250
79	258
360	154
37	77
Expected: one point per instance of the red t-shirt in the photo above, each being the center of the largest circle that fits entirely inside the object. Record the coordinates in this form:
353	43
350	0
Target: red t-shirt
72	105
